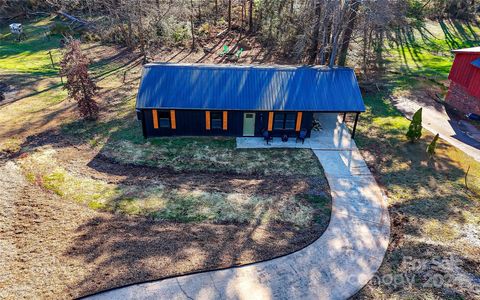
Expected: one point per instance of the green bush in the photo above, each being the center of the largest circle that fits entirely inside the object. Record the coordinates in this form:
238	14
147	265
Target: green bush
180	34
433	145
415	129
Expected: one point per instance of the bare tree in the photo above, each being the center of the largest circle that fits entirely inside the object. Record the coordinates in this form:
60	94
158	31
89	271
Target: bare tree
229	16
347	34
315	33
191	24
250	16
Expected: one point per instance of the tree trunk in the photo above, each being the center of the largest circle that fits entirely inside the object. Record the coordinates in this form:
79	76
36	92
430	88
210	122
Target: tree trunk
243	14
365	47
229	17
250	16
315	34
347	34
191	24
333	54
379	49
216	13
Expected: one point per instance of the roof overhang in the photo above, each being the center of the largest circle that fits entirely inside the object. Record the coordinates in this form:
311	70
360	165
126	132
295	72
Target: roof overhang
472	50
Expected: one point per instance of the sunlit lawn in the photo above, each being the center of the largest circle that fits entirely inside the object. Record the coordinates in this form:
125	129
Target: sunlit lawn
426	53
432	211
31	55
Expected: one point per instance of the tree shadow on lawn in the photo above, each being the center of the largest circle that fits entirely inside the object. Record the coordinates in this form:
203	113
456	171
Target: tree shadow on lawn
429	56
421	191
405	169
120	250
457	36
417	269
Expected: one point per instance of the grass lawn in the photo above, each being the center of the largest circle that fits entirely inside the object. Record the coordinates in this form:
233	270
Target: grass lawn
426	53
435	219
434	248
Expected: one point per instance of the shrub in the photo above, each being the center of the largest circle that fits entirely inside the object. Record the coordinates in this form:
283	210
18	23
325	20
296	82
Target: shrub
433	145
415	129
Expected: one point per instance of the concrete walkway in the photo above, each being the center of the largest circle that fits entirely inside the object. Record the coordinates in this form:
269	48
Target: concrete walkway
436	120
335	266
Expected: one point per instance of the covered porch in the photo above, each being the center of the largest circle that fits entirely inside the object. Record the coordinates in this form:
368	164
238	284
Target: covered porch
334	134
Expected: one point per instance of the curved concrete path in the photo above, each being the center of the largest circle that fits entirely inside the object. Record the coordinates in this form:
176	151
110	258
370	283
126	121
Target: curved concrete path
335	266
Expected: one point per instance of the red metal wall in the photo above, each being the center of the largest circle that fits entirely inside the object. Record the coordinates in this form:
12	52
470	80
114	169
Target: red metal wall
465	74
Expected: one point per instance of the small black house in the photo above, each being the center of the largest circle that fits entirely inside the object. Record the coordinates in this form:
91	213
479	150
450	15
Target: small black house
232	100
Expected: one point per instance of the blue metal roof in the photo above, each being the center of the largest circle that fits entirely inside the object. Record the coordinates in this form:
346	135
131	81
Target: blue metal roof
476	63
232	87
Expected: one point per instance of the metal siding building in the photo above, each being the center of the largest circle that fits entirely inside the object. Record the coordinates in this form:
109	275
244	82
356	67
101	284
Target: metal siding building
194	99
466	70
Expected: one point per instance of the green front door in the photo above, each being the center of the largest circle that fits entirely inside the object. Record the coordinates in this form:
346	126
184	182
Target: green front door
248	124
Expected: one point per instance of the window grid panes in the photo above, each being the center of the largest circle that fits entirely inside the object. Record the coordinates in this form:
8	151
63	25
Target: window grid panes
216	119
278	120
164	118
290	121
284	121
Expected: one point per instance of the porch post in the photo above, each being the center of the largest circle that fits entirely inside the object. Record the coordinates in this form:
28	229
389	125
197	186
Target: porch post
344	116
355	125
144	126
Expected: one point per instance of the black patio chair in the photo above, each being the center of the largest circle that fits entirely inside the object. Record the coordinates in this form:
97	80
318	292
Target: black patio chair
266	136
301	135
473	117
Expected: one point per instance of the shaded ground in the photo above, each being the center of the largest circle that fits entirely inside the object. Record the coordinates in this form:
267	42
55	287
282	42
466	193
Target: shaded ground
82	251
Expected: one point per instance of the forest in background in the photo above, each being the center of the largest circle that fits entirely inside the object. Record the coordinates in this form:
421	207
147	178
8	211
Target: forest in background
302	31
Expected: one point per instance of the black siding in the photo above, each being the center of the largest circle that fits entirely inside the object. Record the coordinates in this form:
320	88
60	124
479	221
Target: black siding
192	123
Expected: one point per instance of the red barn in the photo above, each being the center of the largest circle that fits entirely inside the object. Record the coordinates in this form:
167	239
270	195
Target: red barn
464	91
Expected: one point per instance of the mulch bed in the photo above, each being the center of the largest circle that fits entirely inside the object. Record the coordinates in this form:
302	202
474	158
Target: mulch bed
64	249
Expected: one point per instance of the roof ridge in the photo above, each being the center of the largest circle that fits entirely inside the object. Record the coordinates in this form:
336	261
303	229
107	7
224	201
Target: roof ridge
247	66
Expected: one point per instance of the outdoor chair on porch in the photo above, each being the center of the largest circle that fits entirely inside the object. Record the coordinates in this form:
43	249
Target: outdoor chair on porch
266	136
301	135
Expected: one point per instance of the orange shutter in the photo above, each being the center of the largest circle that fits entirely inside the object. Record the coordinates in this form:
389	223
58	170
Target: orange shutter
225	120
173	121
207	120
155	118
299	121
270	121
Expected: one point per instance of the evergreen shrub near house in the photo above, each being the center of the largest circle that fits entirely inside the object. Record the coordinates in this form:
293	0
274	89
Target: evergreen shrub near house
432	146
415	129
